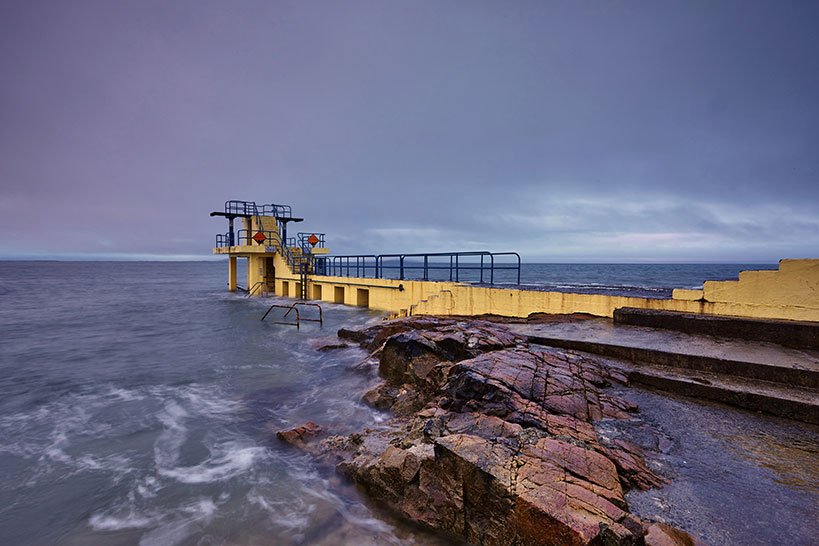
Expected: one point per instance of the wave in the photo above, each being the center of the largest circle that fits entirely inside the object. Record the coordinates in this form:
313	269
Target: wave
232	461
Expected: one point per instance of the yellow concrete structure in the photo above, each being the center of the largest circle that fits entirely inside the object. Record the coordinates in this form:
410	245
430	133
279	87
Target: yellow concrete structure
790	293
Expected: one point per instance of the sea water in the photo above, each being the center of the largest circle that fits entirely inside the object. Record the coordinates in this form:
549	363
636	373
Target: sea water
139	404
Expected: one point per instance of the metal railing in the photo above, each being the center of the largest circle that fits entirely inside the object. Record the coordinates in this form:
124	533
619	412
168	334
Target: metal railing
304	240
223	240
298	263
477	266
250	208
295	308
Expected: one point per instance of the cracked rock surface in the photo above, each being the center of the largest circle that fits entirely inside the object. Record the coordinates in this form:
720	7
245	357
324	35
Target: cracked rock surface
492	441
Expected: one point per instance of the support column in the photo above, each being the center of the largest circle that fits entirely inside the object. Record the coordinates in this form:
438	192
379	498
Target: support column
231	273
255	273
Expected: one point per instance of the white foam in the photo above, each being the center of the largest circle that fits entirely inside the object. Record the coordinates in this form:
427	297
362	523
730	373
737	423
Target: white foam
170	440
131	520
356	514
292	515
217	468
169	527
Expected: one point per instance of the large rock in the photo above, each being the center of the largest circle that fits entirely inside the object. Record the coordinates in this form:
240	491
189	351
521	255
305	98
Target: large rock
454	335
493	441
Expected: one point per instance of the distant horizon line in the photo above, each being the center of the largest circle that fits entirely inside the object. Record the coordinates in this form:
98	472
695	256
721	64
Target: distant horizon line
523	262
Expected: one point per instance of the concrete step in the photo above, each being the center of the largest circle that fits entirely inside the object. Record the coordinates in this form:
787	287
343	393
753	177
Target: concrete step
763	396
790	333
753	375
795	376
752	360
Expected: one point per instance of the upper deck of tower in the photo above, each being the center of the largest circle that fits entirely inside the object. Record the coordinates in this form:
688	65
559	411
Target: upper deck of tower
263	229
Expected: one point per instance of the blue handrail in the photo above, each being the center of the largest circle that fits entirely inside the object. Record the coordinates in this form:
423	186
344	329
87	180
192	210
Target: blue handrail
454	263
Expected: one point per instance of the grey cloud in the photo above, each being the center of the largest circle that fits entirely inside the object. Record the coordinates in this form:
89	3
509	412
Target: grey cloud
545	127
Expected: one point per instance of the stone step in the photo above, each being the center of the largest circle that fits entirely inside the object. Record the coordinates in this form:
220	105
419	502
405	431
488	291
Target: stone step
763	396
789	333
793	376
753	375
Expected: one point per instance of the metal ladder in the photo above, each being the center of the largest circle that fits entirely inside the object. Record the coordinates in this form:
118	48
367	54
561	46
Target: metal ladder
303	276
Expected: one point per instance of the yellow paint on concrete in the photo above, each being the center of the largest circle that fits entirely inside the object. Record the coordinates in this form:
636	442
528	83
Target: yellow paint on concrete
232	273
791	292
686	294
446	298
795	284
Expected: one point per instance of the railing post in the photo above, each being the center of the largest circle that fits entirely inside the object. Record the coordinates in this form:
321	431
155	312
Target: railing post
426	267
401	264
518	255
481	269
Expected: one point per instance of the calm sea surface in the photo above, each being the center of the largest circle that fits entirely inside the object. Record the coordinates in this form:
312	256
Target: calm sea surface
139	404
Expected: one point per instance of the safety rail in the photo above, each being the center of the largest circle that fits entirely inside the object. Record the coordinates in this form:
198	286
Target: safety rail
295	307
250	208
304	240
223	240
298	263
257	286
289	308
481	264
245	237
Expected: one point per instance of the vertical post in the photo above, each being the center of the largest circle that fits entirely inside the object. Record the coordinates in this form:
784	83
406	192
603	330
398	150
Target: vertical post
231	237
401	263
481	268
426	267
251	272
231	273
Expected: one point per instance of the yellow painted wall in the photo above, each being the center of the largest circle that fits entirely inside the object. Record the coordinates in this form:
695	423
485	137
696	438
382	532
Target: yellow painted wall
791	293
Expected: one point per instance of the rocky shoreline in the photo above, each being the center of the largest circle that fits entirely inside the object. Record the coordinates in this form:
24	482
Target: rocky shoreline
492	440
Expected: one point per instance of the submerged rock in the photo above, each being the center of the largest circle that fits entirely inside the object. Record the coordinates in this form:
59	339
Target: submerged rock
300	435
493	440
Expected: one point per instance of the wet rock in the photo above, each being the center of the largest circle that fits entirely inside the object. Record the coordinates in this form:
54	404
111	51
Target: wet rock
630	461
453	335
333	347
661	534
300	435
492	440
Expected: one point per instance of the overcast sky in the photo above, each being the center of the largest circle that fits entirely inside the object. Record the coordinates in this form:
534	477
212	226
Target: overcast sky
568	131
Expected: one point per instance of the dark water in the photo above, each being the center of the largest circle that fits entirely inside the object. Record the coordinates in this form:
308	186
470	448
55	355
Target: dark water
643	280
139	402
640	280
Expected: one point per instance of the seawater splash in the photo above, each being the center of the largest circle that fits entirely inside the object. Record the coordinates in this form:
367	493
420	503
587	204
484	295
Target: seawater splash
148	414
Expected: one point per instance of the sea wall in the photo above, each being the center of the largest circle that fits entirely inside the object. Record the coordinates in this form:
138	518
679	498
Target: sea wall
789	293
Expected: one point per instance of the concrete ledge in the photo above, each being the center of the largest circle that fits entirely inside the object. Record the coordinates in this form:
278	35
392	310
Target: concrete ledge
686	294
790	333
800	406
752	370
